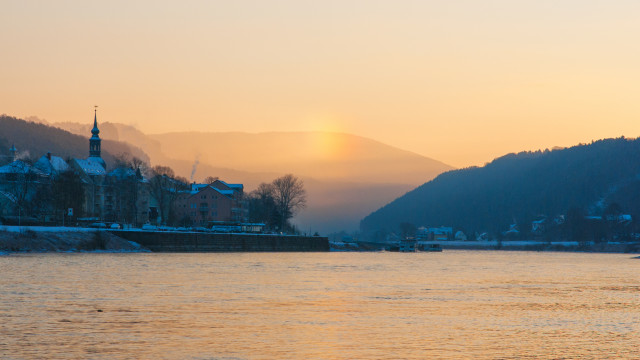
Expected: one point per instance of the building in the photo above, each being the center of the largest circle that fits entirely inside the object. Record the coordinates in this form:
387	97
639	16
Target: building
208	203
20	183
127	198
441	233
51	166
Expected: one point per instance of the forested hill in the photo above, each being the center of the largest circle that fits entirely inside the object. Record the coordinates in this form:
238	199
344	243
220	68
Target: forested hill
34	140
518	188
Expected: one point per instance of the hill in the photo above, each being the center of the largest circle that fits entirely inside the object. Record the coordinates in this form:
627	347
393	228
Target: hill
36	139
519	188
187	167
320	155
345	175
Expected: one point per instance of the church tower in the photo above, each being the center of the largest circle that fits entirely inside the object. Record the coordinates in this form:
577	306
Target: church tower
94	142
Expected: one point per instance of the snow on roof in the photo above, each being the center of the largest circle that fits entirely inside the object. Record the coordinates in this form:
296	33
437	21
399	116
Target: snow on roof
51	166
239	186
122	172
19	167
196	188
91	166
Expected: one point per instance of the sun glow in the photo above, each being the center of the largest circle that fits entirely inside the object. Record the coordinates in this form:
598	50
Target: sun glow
326	142
329	145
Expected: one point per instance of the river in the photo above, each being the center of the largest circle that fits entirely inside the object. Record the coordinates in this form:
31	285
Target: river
449	305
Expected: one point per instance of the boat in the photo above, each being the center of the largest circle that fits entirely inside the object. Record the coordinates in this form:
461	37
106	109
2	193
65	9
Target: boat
407	246
431	247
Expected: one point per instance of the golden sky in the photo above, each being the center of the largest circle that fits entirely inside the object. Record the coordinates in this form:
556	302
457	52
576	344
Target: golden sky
459	81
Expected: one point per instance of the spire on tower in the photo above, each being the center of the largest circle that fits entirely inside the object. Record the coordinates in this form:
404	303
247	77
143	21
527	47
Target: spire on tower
94	142
95	130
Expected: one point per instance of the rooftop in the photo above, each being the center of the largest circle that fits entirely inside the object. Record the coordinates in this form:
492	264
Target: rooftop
91	166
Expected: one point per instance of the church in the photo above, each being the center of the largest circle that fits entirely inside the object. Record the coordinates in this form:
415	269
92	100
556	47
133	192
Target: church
93	172
121	195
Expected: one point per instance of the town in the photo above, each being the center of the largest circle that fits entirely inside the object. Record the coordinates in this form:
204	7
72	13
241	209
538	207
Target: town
85	192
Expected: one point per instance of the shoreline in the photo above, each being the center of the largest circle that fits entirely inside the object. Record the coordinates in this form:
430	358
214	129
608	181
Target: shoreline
515	245
25	240
39	239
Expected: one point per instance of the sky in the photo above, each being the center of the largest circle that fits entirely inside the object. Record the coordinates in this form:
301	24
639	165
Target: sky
459	81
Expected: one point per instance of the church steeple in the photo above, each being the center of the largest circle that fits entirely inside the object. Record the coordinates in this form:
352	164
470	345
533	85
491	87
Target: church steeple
94	142
95	131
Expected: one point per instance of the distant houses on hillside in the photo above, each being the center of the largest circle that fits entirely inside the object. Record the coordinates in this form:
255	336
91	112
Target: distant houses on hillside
613	225
441	233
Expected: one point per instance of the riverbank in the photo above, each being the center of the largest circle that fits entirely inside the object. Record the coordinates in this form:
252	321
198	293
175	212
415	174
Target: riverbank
62	239
515	245
557	246
40	239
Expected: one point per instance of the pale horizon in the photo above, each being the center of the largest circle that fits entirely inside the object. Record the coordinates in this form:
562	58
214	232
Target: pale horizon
460	82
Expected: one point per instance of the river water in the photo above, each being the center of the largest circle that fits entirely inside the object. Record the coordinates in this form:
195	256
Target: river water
449	305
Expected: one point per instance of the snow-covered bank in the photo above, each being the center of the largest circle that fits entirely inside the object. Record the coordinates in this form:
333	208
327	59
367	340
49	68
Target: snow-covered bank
45	229
62	239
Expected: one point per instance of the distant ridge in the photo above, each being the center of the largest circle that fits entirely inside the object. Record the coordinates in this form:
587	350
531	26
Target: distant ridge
321	155
517	188
36	139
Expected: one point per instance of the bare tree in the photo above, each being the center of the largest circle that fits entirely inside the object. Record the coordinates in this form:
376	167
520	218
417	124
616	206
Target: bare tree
289	196
262	206
164	187
139	165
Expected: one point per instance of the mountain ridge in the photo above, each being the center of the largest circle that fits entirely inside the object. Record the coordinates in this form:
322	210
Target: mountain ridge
518	188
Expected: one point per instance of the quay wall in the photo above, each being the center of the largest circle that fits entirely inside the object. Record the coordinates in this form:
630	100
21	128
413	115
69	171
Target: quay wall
165	241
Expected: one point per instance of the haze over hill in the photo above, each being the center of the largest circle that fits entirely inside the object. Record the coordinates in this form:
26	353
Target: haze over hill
346	176
321	155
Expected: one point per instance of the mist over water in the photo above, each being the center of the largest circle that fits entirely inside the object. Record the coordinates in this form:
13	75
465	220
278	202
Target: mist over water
455	304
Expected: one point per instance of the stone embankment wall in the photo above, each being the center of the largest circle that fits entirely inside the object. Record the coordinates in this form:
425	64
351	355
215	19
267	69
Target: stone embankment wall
208	242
